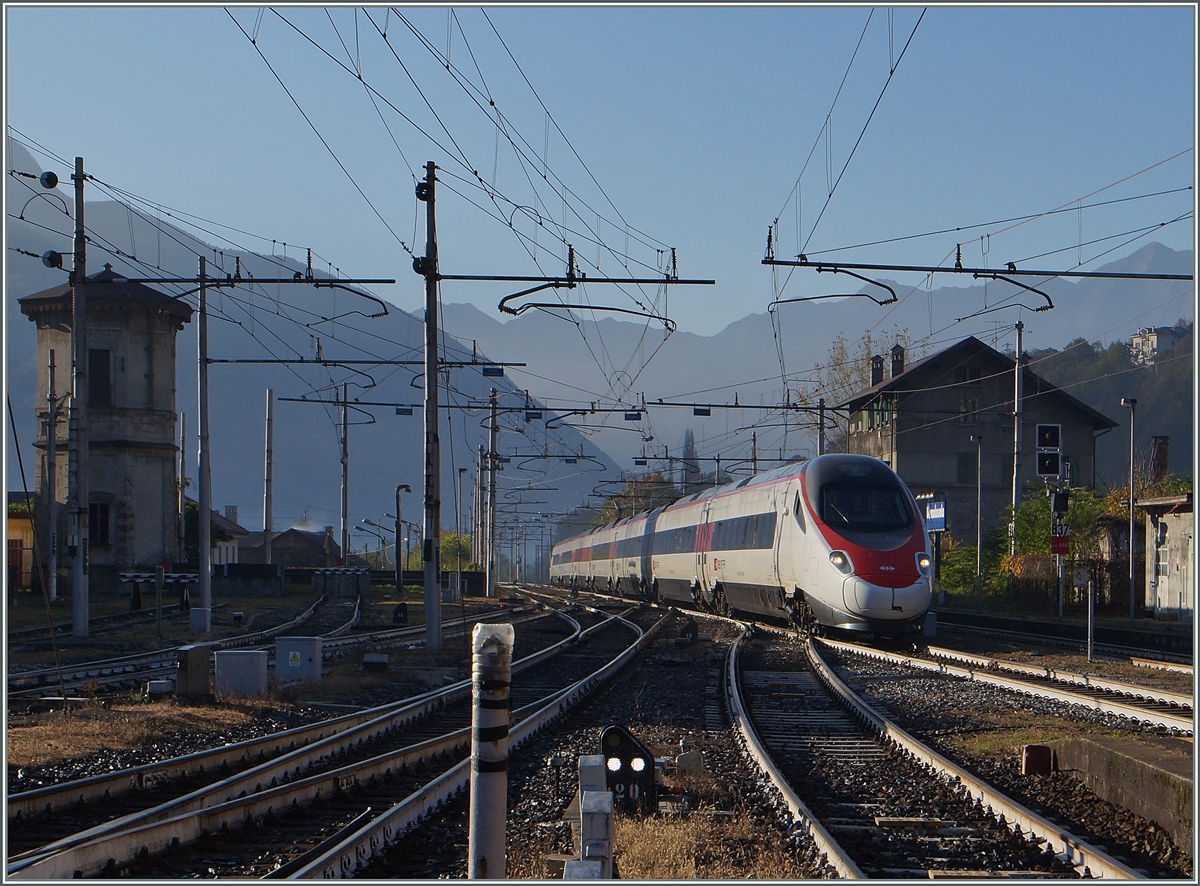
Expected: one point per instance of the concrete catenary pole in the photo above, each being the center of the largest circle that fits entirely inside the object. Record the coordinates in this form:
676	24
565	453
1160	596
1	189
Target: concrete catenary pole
493	460
201	619
480	533
52	488
1131	404
345	507
431	547
400	564
491	668
79	398
1018	397
182	487
268	465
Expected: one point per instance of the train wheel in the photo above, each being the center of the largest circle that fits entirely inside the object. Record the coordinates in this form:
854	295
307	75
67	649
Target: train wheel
720	605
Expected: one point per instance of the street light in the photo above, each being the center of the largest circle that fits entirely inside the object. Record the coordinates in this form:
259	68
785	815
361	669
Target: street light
379	550
382	539
977	439
1131	403
403	487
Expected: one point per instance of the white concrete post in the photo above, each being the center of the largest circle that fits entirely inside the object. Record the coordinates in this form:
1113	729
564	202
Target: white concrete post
491	648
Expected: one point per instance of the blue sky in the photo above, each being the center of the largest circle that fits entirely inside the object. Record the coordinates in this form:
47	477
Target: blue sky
694	125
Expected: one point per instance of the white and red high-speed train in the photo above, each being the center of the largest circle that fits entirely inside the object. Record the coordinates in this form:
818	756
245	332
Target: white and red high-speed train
835	542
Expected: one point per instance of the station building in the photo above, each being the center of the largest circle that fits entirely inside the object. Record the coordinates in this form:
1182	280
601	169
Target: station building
945	425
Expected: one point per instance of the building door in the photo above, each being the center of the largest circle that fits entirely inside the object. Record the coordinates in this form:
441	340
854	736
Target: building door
15	555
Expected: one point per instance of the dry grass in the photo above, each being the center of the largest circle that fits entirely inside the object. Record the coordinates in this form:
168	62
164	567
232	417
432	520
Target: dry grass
700	847
54	737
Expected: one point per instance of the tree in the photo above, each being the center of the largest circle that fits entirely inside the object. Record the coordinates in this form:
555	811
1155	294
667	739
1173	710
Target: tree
846	372
455	546
639	494
191	532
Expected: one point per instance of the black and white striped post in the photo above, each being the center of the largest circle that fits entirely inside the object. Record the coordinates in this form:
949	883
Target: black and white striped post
491	668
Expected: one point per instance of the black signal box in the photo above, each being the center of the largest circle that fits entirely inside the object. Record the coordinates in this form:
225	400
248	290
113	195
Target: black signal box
1049	464
1049	436
629	767
1059	502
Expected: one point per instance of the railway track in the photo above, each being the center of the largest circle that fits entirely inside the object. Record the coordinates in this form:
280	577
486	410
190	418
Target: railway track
1153	648
1139	704
99	624
882	803
424	738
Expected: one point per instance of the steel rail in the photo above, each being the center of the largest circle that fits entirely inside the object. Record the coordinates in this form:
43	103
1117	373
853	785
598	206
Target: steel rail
1091	681
142	661
151	833
358	849
802	816
1173	722
148	775
1071	849
72	853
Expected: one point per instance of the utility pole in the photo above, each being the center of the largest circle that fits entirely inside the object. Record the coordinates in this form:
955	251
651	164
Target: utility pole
52	488
79	398
182	487
267	472
1018	394
431	549
345	558
821	430
494	466
201	619
754	453
1131	404
403	487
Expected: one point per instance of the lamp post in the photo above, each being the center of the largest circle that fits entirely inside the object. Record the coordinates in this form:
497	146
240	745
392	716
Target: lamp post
379	549
1131	403
403	487
977	439
382	539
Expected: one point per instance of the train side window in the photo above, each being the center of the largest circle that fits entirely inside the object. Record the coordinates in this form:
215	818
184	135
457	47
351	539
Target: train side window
798	513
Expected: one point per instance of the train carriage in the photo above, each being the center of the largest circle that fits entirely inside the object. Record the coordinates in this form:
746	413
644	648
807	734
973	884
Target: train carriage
836	542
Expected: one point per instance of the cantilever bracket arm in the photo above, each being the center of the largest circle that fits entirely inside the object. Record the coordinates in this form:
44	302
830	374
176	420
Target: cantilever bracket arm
666	321
1047	306
331	285
887	301
553	284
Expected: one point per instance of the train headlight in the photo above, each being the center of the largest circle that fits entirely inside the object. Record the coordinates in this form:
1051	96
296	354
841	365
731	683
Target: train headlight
924	563
841	562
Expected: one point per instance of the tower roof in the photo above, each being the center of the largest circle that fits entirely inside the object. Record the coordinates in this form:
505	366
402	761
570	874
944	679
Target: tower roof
103	289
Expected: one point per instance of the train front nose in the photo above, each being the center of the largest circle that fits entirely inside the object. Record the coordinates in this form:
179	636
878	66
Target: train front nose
886	604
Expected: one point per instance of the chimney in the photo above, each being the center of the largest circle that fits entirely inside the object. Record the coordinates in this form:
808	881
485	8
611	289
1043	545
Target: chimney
1158	458
231	513
876	370
897	360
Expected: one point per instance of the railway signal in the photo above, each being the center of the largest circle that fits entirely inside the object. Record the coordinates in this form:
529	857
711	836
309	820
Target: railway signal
629	767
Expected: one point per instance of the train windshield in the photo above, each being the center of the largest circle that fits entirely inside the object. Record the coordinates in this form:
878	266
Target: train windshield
864	507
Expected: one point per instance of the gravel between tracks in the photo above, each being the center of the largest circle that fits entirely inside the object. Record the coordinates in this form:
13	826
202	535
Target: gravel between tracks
942	712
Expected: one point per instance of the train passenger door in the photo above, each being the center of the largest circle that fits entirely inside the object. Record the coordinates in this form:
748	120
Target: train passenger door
704	570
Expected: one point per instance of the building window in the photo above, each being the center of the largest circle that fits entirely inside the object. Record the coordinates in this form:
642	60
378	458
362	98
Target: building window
98	523
100	377
968	407
964	374
967	462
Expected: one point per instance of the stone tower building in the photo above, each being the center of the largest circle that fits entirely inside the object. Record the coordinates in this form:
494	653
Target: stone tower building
132	467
